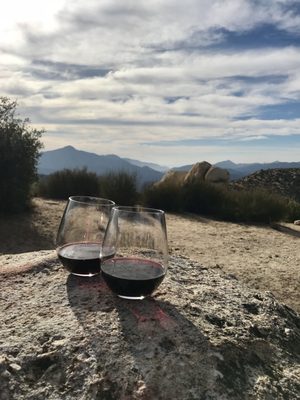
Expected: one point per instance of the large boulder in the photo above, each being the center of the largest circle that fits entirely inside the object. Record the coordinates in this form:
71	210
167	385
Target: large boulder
202	336
217	175
197	173
172	177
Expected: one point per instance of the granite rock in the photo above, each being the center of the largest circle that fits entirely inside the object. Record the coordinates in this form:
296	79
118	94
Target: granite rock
217	175
171	178
203	335
197	172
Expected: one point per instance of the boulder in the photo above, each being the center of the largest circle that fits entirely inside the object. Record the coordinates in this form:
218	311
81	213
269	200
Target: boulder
297	222
172	178
217	175
203	335
197	172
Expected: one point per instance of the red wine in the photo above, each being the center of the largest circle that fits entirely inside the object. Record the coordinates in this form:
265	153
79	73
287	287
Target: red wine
132	277
81	258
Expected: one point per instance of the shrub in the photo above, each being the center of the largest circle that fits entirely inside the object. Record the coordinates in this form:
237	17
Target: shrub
19	152
167	196
65	183
259	206
121	187
204	198
221	202
293	210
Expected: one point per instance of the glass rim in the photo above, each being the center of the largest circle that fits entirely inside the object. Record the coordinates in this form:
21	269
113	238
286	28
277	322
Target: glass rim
91	200
138	210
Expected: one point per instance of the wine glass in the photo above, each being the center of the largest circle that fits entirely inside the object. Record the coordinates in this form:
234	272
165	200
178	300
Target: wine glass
137	238
81	233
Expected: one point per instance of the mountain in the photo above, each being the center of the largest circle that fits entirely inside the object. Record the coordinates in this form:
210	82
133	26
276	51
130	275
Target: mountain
238	171
183	168
156	167
71	158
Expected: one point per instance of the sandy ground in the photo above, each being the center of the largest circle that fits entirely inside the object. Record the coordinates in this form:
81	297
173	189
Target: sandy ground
260	256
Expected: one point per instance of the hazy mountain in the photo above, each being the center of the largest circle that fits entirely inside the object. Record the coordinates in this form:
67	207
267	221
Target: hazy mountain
156	167
238	171
71	158
183	168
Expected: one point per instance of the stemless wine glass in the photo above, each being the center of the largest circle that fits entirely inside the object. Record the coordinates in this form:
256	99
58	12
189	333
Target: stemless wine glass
137	237
81	233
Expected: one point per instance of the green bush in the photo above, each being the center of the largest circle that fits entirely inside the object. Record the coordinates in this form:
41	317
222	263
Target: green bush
204	198
65	183
19	152
221	202
167	196
121	187
293	212
259	206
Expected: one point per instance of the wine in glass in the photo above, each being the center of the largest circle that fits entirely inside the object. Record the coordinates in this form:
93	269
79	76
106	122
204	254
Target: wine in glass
137	237
81	233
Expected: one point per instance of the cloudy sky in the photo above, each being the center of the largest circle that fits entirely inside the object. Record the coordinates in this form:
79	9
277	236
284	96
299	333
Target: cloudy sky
172	82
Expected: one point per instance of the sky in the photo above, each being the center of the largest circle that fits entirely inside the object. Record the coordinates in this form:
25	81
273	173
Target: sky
162	81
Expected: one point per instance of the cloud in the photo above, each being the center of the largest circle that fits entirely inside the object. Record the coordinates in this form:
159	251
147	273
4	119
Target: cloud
110	75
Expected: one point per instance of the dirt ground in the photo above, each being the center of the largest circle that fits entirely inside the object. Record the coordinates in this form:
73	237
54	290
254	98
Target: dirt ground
260	256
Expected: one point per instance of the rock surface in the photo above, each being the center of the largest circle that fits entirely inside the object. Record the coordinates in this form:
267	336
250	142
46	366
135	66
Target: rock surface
202	336
172	178
200	172
217	175
197	172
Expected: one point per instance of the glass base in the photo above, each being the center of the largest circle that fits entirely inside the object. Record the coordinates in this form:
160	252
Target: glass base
86	275
131	298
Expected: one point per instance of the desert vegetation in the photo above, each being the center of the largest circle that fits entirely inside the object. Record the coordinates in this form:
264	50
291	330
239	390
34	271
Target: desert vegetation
220	201
118	186
19	152
255	205
61	184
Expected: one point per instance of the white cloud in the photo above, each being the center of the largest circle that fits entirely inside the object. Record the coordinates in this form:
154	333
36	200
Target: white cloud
160	85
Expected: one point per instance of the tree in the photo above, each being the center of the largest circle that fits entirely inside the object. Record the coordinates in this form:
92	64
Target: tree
119	186
19	152
67	182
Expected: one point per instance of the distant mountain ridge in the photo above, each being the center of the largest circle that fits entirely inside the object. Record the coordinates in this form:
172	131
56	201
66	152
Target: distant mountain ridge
156	167
238	171
70	158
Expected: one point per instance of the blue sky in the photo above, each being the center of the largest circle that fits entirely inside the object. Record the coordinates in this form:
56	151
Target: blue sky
162	81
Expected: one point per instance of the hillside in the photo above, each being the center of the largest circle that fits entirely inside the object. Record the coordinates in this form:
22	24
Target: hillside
284	181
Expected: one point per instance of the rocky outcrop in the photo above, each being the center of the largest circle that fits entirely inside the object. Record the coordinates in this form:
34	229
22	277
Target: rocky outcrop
172	178
202	336
200	172
217	175
197	172
283	181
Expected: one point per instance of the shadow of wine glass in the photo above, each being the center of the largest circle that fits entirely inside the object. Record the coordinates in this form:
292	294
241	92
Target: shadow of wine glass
144	347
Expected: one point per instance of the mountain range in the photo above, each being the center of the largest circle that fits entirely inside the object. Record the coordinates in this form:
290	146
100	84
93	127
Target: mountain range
71	158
